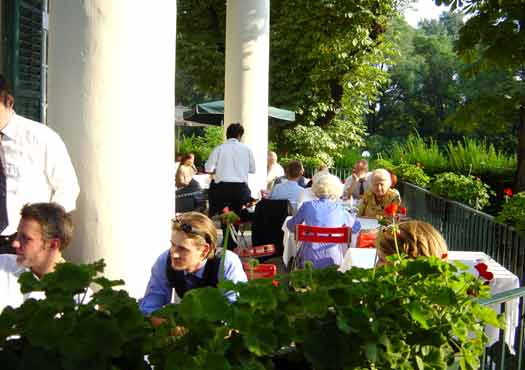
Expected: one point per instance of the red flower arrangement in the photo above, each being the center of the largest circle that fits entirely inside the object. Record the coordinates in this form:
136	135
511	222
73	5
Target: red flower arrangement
507	192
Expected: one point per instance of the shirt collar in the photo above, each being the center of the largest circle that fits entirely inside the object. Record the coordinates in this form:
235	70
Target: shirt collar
199	273
233	140
10	129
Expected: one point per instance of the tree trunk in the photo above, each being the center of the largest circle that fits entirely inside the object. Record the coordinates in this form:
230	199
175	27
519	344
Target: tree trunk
519	181
336	92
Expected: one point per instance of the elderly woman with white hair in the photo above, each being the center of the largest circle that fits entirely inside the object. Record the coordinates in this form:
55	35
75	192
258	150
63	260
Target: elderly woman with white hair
379	196
325	211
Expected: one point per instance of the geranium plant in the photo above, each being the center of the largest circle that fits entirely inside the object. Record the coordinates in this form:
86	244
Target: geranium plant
513	211
469	190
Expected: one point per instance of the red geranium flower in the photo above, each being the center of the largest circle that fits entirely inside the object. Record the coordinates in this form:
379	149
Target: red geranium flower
403	211
444	256
225	210
483	271
275	283
391	209
507	192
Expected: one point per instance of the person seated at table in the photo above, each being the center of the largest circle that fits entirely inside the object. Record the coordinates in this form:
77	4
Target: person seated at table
379	196
290	189
358	182
274	170
325	211
185	171
191	262
415	239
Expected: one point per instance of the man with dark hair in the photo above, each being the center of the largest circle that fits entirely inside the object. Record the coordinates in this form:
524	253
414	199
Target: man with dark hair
34	167
290	189
230	164
44	231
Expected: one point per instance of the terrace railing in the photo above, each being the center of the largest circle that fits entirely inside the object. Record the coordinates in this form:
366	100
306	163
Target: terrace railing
498	356
465	228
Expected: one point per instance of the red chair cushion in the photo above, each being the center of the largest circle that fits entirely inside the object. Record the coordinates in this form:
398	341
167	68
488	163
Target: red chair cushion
316	234
367	239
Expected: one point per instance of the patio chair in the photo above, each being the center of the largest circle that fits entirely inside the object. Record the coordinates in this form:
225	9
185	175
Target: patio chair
268	221
261	271
321	235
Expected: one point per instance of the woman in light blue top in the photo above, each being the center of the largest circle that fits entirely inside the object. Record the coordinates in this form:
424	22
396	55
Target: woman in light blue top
324	212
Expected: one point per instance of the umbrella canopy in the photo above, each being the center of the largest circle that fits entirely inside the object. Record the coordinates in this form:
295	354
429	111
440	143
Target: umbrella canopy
212	113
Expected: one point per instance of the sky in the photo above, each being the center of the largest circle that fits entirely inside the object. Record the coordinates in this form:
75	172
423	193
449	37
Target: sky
423	9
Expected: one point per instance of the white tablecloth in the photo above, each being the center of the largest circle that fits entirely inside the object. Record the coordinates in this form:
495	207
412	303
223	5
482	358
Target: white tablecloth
503	280
290	247
203	179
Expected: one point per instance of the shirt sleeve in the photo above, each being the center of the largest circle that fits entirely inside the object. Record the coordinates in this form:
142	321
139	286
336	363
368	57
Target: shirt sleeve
61	174
211	163
158	292
233	271
298	218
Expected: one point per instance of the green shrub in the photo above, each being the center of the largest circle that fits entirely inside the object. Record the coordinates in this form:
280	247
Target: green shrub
417	151
513	212
382	163
412	174
348	158
309	163
465	189
479	158
201	146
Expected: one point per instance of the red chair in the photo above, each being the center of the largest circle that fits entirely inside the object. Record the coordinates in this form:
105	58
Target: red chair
316	234
261	271
256	252
367	239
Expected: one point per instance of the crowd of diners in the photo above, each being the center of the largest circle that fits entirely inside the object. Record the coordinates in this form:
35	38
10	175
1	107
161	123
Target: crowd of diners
194	259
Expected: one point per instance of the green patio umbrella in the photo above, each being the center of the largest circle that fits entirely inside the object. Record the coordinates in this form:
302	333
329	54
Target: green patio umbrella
212	113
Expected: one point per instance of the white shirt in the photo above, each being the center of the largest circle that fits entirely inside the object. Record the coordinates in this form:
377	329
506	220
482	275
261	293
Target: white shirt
350	180
231	161
275	171
10	294
38	168
10	271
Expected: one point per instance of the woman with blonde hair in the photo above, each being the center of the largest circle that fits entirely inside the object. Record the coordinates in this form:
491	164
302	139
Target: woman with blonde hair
414	239
191	262
325	211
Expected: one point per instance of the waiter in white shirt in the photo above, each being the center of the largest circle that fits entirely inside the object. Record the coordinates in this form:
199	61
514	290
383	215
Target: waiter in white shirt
231	163
35	167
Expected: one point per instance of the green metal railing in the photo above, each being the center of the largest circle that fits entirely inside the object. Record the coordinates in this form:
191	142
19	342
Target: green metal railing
498	357
467	229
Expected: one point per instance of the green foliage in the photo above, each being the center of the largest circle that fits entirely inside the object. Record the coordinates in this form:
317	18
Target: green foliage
479	158
406	315
513	212
201	146
308	162
417	151
58	333
465	189
348	158
383	163
412	174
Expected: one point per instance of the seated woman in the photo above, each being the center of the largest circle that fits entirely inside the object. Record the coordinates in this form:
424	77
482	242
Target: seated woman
189	195
379	196
191	262
415	238
324	212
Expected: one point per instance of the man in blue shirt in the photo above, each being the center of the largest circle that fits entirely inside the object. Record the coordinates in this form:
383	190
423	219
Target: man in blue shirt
290	189
191	262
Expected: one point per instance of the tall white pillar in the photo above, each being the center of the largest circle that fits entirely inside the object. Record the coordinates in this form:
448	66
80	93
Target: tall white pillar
111	97
246	77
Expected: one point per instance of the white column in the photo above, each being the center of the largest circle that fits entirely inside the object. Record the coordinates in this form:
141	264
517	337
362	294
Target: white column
111	97
246	77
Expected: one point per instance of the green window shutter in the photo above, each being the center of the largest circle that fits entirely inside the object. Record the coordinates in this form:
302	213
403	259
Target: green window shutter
25	56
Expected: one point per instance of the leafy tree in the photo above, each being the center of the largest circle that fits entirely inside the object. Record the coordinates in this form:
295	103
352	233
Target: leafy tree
325	60
494	37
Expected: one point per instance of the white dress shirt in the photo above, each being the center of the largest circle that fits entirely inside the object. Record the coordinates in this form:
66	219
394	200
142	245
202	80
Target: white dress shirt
10	294
231	161
275	171
38	168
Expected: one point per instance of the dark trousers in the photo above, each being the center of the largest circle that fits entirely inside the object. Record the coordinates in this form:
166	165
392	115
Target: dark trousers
6	244
233	195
